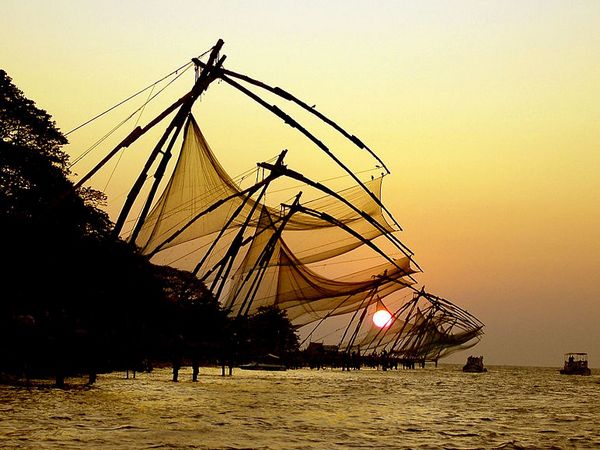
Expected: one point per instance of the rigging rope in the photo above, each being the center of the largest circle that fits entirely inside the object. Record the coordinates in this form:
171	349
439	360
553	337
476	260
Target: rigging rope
125	101
103	138
121	153
135	95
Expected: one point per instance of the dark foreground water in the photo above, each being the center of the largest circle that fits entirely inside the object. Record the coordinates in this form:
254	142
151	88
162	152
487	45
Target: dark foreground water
508	407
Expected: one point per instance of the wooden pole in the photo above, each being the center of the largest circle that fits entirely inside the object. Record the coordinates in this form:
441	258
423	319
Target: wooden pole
333	221
265	257
287	96
135	134
294	124
246	192
221	233
298	176
201	84
354	317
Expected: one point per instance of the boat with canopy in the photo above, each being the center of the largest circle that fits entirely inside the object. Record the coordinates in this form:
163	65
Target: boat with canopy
576	363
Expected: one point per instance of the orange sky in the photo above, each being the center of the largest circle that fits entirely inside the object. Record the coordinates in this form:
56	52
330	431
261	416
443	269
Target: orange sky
486	113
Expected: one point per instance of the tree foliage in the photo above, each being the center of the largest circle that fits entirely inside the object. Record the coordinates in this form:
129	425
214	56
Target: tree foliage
267	332
69	285
24	124
74	296
191	314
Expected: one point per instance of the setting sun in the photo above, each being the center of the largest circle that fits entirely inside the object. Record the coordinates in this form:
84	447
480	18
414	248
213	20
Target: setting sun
382	318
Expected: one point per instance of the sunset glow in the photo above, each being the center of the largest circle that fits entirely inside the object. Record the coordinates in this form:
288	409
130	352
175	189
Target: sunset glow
485	112
382	318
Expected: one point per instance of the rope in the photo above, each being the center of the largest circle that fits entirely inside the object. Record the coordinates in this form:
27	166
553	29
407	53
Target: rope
124	101
134	95
121	153
103	138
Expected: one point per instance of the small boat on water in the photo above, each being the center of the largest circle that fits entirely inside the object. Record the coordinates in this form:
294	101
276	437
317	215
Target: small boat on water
576	364
267	362
262	366
474	364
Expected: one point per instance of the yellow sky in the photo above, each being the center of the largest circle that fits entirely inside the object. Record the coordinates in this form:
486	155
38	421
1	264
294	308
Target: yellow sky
486	113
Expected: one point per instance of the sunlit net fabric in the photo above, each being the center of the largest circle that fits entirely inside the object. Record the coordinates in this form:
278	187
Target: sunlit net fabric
356	196
369	337
424	328
256	272
331	240
199	182
271	275
251	255
202	209
187	255
308	296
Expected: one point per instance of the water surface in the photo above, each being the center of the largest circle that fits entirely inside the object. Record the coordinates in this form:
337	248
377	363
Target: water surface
507	407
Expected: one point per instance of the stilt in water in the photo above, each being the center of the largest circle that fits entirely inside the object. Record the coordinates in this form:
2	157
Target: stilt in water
60	380
176	368
195	369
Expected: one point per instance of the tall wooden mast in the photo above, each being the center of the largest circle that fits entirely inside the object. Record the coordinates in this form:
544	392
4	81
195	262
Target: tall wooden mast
207	76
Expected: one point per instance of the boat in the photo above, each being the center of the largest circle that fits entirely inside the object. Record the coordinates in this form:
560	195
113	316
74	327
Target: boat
474	364
576	363
269	362
262	366
251	253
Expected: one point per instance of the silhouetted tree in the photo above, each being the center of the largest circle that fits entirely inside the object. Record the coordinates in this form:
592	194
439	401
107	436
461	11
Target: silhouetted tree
25	125
73	296
269	331
192	314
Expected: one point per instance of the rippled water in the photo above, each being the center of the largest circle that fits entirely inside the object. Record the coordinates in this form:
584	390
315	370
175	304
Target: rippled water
508	407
